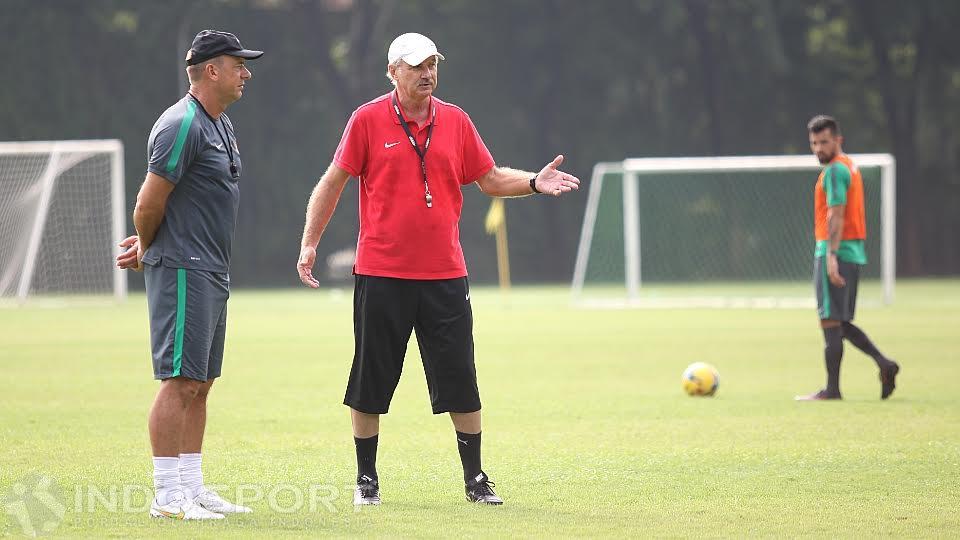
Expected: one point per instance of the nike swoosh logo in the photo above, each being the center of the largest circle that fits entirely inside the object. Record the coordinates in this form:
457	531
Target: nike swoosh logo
390	145
179	515
465	443
218	146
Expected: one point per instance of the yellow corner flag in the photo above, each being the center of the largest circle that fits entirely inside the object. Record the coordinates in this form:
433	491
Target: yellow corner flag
496	223
495	216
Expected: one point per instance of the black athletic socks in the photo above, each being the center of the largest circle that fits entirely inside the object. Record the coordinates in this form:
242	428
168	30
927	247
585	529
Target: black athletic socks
833	353
469	446
366	456
859	339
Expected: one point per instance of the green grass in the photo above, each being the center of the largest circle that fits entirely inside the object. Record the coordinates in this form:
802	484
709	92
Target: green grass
586	430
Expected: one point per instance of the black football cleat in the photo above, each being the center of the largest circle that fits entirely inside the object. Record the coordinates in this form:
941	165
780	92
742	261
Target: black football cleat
480	490
888	379
367	492
819	395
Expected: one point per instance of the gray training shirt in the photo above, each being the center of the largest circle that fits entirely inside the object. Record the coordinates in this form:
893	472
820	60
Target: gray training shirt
201	212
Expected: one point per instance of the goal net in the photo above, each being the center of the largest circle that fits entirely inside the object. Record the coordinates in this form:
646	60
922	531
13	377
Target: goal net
719	232
61	215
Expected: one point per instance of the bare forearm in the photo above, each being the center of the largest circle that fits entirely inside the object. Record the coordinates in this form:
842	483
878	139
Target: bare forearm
146	220
834	228
323	201
151	205
506	182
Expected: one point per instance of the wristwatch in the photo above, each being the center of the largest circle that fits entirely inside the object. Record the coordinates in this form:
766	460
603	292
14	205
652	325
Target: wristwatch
533	184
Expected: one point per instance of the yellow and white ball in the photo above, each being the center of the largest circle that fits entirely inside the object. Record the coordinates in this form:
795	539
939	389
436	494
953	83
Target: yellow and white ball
701	379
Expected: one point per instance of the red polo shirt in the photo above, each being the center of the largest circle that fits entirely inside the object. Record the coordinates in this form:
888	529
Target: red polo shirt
399	236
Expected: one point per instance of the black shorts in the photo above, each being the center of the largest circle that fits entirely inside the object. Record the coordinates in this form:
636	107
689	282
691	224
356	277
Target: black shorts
385	310
836	303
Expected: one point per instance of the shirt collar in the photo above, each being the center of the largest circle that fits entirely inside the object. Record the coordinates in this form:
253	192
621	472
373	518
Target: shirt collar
393	114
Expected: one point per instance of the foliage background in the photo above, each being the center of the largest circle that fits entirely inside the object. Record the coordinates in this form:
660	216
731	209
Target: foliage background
593	80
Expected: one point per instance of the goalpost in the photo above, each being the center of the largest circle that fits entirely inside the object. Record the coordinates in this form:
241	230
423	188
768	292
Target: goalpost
61	215
719	232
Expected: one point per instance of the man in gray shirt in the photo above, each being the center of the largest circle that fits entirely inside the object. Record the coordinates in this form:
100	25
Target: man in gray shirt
185	217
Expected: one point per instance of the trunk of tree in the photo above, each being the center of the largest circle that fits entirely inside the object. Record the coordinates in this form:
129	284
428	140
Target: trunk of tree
698	17
184	39
900	107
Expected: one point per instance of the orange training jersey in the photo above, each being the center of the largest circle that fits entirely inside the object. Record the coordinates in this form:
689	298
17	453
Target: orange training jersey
840	182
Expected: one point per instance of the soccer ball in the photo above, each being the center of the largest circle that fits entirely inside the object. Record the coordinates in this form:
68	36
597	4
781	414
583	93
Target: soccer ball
701	379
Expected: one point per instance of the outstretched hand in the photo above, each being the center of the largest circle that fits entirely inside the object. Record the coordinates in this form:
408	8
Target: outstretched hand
132	257
555	182
305	267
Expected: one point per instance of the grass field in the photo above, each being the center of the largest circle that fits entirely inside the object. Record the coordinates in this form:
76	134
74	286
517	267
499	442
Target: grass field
586	430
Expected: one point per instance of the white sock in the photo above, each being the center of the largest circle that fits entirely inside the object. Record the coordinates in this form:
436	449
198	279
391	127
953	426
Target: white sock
191	476
166	479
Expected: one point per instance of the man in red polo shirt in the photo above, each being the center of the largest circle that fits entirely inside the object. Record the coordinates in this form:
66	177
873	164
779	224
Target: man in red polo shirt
413	153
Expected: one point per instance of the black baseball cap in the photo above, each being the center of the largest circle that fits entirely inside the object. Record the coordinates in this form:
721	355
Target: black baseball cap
212	43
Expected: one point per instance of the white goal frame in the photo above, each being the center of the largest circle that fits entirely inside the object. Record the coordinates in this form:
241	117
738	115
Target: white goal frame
632	169
62	156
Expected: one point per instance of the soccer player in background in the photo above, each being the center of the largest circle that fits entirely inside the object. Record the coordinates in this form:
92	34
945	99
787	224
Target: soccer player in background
185	217
413	154
840	230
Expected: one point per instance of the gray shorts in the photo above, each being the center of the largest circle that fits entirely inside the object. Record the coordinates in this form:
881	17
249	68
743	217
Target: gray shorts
188	321
836	303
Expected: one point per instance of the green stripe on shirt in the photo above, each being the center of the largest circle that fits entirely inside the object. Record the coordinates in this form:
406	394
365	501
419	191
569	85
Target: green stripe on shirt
181	136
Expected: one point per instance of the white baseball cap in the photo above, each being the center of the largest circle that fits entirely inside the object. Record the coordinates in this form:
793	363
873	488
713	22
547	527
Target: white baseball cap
412	48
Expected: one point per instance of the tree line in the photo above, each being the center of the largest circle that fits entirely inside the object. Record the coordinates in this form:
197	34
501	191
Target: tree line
596	81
